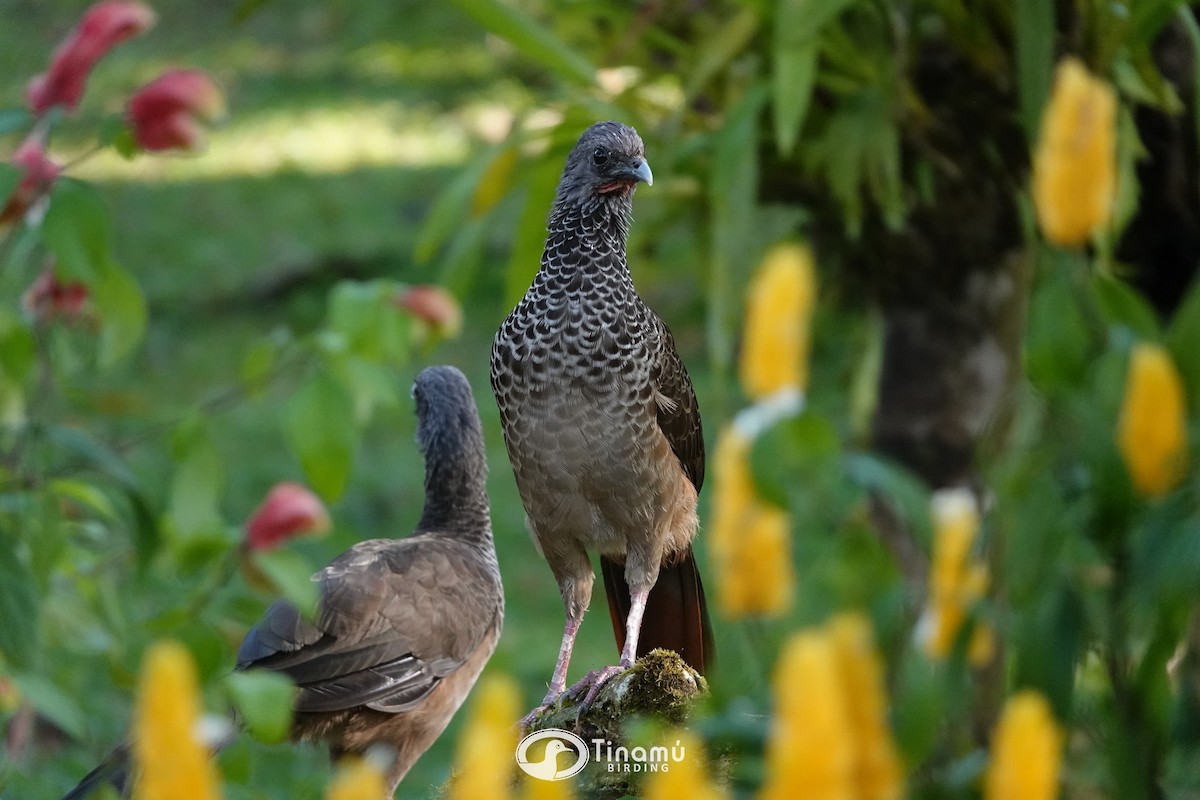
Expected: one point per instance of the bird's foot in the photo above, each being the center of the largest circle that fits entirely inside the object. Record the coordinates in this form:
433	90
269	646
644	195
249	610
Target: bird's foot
547	703
592	683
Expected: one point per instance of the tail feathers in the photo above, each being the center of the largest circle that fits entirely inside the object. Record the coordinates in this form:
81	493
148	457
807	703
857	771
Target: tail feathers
676	612
114	769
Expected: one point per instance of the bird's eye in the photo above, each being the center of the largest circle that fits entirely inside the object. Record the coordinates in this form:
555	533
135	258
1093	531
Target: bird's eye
600	157
412	392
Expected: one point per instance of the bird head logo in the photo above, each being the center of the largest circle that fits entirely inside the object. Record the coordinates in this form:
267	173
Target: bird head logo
564	755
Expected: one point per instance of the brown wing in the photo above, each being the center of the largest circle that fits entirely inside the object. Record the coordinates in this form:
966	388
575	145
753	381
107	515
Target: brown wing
678	411
395	617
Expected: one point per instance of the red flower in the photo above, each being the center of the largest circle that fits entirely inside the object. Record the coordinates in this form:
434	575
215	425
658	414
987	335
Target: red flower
289	510
434	306
163	113
48	298
103	27
40	173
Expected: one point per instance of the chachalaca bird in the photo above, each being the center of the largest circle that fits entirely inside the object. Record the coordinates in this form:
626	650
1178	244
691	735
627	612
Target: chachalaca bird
404	626
601	421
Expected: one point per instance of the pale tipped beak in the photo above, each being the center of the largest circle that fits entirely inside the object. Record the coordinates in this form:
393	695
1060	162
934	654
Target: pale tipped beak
642	173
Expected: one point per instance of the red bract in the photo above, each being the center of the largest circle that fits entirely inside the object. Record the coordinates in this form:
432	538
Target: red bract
164	112
103	27
48	298
40	174
434	306
289	510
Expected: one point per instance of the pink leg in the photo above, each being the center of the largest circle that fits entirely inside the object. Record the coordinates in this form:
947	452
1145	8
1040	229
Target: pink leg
558	680
593	681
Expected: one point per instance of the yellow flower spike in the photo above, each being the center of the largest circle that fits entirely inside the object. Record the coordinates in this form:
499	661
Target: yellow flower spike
810	751
779	305
486	746
1075	165
878	774
751	539
170	760
955	582
535	789
1152	432
1026	751
686	779
357	779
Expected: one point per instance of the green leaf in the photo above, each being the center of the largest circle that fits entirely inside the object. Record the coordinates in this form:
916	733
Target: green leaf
452	207
1057	341
319	423
18	607
895	484
793	79
531	39
86	495
122	311
13	119
17	349
1181	340
93	453
291	576
1121	305
264	700
1035	32
715	52
53	703
193	509
529	237
10	176
797	26
257	365
788	453
78	231
733	192
364	315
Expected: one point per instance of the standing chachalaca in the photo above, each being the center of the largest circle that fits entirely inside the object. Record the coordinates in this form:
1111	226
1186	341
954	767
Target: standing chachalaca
601	421
404	626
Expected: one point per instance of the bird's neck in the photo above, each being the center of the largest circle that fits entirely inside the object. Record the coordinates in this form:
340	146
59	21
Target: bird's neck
456	489
599	224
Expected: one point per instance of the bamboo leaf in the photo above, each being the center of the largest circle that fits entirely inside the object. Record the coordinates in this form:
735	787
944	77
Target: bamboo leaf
531	39
1035	60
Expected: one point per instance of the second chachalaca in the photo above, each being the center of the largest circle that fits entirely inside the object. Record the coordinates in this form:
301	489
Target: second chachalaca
403	626
601	421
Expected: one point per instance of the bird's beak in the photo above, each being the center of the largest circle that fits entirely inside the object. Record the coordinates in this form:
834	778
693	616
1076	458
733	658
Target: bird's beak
642	172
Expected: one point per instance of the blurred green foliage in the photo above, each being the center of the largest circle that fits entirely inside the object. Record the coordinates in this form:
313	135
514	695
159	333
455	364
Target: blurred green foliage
246	334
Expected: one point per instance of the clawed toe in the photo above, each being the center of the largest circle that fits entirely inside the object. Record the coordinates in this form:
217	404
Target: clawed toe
591	684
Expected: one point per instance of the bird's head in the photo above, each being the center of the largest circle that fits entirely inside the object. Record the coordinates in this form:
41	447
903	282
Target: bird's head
446	414
606	164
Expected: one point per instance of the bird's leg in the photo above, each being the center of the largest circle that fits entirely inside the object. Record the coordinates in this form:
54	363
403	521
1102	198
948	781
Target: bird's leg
558	681
596	679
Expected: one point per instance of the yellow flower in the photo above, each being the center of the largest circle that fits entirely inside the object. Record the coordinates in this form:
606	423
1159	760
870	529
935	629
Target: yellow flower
170	760
1152	432
536	789
1075	165
877	771
810	751
486	746
751	539
683	780
955	582
1026	752
357	779
779	305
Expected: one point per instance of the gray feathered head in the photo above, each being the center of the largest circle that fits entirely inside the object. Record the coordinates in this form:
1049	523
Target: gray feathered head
447	419
606	164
